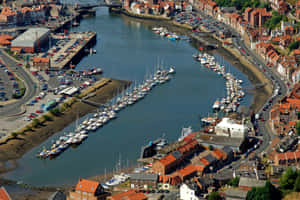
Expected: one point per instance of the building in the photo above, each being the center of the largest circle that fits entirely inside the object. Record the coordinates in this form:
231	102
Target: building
129	195
4	195
236	194
247	183
298	10
87	190
31	40
296	76
142	180
5	40
228	127
40	63
188	172
167	164
287	158
189	192
217	141
256	17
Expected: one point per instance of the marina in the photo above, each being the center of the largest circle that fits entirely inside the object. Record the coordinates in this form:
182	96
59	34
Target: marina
169	35
127	50
107	113
234	90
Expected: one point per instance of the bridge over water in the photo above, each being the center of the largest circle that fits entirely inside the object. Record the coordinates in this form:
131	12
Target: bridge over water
101	3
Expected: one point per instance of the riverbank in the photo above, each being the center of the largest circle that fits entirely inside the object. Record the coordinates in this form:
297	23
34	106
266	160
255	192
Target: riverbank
232	55
15	147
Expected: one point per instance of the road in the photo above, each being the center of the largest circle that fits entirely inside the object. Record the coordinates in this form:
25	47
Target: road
31	89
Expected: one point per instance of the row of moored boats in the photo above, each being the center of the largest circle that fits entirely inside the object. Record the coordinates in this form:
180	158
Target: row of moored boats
169	35
234	90
107	113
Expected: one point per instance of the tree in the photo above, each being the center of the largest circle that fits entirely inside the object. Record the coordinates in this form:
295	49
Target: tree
54	111
214	196
28	128
14	134
297	184
267	192
293	45
298	128
288	179
36	123
234	181
47	118
22	133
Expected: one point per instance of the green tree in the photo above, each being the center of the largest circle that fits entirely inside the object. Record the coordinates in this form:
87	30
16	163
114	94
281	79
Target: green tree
14	134
28	128
55	111
288	179
36	122
298	128
267	192
297	184
214	196
22	133
234	181
47	118
293	45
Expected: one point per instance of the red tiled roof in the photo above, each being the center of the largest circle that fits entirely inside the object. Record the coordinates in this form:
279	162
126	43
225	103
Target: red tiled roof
288	28
129	195
217	153
41	60
190	136
188	146
173	180
167	159
211	3
87	186
3	194
297	51
248	9
187	170
204	161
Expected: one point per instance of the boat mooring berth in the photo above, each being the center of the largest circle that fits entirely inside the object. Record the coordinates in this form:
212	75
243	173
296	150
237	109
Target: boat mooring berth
106	113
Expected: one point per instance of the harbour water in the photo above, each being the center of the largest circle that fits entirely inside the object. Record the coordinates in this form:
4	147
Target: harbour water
128	50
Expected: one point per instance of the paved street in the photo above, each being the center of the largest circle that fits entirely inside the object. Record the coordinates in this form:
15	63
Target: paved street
31	88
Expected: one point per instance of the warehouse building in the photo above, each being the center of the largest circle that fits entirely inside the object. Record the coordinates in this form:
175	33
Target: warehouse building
31	40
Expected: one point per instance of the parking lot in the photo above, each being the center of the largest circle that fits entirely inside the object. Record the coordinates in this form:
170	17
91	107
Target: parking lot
196	19
64	47
9	86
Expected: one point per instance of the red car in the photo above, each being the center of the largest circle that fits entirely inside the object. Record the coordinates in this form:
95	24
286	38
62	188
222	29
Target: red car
262	119
38	111
19	64
31	116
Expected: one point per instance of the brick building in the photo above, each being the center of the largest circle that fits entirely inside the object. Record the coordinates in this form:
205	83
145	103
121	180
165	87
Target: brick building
87	190
167	164
40	63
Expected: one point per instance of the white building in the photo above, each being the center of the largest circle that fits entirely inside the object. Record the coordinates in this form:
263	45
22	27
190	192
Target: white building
296	76
187	193
228	127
